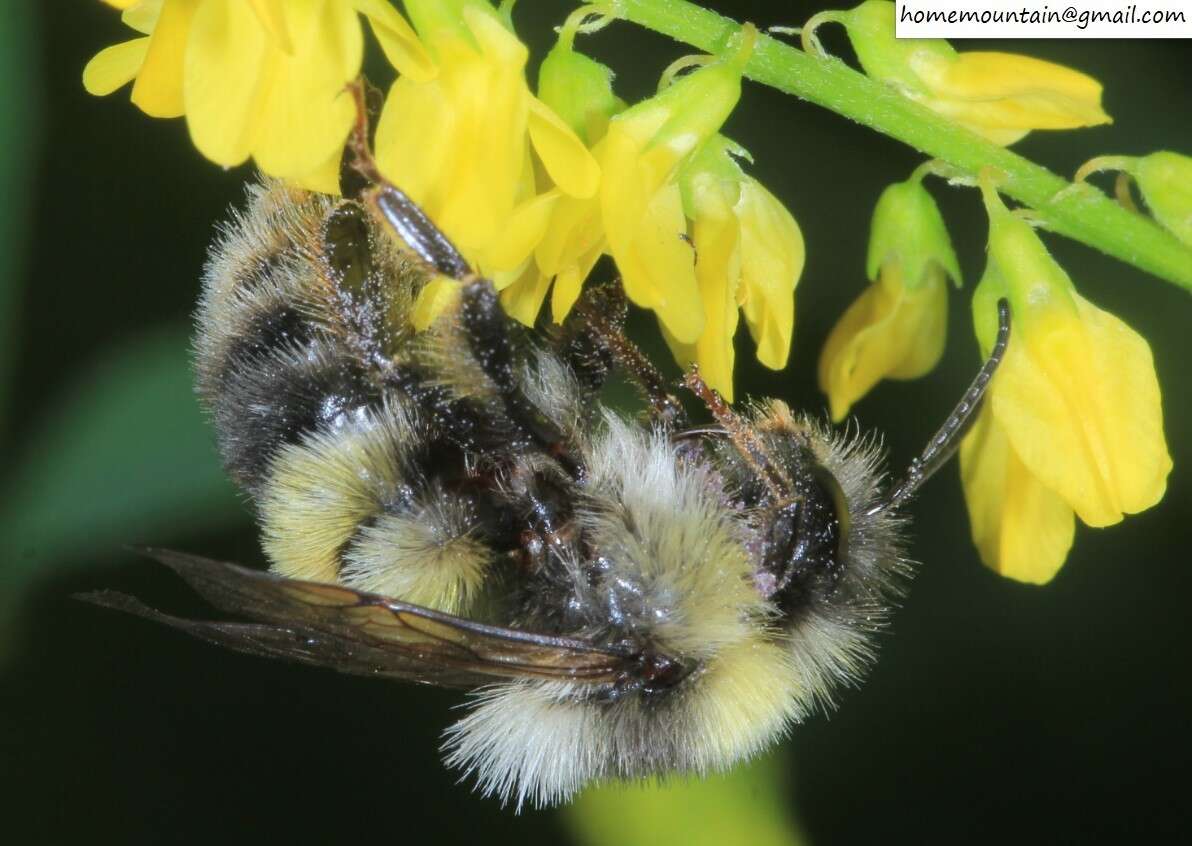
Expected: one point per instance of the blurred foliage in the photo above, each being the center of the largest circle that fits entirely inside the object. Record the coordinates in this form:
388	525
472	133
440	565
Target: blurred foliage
122	458
749	804
19	120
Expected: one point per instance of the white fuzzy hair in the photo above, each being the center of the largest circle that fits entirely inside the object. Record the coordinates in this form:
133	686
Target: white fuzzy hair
662	524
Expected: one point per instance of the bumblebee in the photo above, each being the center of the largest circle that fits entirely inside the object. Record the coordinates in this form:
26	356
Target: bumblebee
626	597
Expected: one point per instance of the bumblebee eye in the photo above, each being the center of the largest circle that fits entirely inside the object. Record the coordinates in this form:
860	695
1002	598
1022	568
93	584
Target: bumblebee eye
840	506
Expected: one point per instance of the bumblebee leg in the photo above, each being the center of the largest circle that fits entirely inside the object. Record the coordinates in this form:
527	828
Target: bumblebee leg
743	437
391	205
594	335
486	327
582	345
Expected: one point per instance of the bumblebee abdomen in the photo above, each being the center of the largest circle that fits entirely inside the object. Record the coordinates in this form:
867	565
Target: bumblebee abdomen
365	504
275	358
299	294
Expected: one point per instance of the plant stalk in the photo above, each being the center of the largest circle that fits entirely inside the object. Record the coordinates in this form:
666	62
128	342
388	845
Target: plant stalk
1082	213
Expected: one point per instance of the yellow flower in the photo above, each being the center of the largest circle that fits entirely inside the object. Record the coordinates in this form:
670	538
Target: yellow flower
749	255
460	144
1001	96
694	238
641	205
154	61
1022	529
889	332
261	79
1074	421
896	329
580	91
638	216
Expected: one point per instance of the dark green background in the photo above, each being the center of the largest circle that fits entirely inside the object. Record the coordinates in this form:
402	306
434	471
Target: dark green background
998	712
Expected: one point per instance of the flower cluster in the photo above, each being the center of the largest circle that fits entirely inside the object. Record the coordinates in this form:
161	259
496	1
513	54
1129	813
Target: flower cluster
694	238
532	188
262	79
1072	424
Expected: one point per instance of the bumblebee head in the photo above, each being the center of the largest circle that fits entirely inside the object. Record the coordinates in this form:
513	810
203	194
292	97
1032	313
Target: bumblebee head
825	522
809	493
803	518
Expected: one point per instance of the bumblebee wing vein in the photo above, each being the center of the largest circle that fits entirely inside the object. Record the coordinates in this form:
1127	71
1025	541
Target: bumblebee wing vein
427	638
297	643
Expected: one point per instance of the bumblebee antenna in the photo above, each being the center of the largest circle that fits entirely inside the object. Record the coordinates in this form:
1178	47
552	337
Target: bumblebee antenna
946	441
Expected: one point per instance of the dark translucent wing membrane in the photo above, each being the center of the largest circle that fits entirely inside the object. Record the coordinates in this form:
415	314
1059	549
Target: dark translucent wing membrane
367	634
299	643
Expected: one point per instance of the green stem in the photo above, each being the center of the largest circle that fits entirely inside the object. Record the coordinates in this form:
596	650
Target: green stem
1083	213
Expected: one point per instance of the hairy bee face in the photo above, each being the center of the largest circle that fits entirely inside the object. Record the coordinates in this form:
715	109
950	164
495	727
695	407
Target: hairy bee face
456	507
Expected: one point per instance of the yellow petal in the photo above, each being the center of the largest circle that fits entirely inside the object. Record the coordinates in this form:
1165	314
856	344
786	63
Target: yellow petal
574	230
627	183
564	156
569	282
524	230
718	271
964	114
121	4
143	16
645	227
222	85
398	40
114	66
887	333
491	101
658	267
415	134
922	325
325	178
272	15
572	244
1022	529
837	364
1079	400
439	295
503	279
305	113
716	235
523	299
1007	93
772	255
158	89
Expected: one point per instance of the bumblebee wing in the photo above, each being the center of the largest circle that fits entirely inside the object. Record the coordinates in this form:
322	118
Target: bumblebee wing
366	634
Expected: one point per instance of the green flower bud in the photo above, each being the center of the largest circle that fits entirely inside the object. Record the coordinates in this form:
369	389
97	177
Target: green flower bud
580	91
871	31
1021	270
1165	180
907	228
